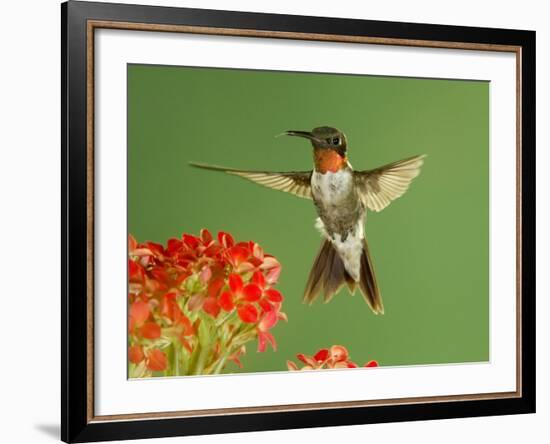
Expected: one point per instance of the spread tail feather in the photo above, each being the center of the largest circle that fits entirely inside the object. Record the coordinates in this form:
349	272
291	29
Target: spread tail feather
329	274
367	282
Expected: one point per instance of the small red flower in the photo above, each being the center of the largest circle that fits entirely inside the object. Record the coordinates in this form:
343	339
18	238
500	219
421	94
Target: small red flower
243	296
226	301
235	283
169	308
322	355
156	360
225	239
135	354
264	335
187	328
335	357
268	297
150	330
338	353
252	293
237	255
139	312
172	246
273	295
136	273
206	237
211	306
215	286
248	313
191	241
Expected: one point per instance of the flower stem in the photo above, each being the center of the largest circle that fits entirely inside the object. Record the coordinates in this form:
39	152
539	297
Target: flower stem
176	358
221	363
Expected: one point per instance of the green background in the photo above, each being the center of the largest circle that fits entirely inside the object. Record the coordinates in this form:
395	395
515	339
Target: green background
430	247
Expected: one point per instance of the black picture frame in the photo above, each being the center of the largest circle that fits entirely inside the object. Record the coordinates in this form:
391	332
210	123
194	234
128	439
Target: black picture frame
77	327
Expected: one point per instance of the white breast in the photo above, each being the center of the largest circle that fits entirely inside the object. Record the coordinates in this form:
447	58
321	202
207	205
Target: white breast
331	188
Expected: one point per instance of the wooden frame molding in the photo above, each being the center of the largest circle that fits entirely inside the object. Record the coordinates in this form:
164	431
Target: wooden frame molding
92	25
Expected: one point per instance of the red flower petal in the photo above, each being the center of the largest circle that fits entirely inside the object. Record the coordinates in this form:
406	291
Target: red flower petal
226	301
273	295
268	321
205	274
246	245
170	308
191	241
212	250
339	353
215	286
307	359
173	246
156	249
139	312
156	360
252	293
255	262
150	330
258	252
225	239
211	306
135	271
188	329
269	263
185	343
271	340
266	306
263	339
272	275
248	313
237	255
322	355
160	274
206	236
135	354
262	342
236	361
235	283
258	279
352	364
371	364
245	267
291	366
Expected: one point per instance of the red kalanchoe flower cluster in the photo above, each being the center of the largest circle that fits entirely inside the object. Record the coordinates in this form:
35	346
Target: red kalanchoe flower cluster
196	302
335	357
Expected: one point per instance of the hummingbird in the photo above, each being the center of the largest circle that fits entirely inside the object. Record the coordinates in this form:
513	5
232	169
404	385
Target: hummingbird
341	197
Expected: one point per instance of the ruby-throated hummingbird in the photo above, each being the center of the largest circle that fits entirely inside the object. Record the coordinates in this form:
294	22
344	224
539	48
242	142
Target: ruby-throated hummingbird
341	197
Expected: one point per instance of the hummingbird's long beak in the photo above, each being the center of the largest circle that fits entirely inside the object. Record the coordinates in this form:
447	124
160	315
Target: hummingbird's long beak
305	134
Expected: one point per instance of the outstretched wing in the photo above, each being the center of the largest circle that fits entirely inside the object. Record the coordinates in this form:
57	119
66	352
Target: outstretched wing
295	182
380	186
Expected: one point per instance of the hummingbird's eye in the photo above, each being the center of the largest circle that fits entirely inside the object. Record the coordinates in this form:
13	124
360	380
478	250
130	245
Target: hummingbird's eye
336	141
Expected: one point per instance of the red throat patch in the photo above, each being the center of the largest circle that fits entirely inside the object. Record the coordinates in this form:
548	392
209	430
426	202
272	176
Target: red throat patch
328	160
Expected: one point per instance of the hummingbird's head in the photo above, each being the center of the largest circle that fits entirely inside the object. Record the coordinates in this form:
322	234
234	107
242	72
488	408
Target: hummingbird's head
329	147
